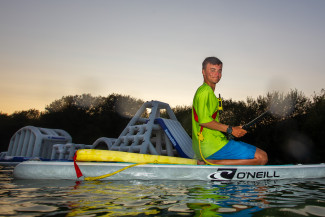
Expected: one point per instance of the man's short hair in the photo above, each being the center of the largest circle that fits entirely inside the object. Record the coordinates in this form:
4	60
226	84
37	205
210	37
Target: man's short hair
211	60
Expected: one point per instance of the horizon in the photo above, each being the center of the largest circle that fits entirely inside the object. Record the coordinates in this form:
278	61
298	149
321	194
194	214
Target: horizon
173	106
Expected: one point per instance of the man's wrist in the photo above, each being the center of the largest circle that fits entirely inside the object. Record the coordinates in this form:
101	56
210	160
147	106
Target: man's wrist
229	130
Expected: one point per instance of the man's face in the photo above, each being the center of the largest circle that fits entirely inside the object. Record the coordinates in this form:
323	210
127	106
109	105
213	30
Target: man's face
212	73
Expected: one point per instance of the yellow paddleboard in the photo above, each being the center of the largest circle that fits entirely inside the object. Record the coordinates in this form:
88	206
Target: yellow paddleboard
119	156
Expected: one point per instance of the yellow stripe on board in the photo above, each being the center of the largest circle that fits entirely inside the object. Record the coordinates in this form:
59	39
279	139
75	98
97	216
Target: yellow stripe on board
119	156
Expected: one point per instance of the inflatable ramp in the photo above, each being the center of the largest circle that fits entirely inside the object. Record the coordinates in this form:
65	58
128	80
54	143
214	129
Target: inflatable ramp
154	135
178	136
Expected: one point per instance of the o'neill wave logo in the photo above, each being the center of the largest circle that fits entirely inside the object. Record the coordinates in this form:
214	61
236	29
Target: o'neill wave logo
223	174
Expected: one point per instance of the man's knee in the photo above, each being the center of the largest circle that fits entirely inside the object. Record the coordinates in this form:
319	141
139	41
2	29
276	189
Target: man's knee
261	156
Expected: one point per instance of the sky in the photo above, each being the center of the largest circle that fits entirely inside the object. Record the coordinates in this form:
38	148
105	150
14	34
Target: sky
153	50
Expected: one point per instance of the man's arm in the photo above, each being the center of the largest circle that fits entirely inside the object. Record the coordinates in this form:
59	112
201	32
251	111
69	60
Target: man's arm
214	125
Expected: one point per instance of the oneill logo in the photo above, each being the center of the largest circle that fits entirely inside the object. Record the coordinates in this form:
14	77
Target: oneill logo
223	174
229	174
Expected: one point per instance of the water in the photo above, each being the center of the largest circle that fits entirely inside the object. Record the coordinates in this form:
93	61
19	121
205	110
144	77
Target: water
159	198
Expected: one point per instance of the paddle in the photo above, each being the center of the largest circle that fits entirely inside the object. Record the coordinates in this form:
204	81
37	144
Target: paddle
251	123
256	120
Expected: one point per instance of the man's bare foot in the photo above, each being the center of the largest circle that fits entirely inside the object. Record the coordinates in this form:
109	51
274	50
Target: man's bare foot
200	162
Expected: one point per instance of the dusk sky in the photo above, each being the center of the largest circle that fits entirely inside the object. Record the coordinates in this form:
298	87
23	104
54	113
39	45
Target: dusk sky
153	50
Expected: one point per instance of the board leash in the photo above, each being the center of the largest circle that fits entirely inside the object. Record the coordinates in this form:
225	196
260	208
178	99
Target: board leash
90	178
110	174
201	138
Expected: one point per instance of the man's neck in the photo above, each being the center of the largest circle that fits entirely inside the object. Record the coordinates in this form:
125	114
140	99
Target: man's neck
213	86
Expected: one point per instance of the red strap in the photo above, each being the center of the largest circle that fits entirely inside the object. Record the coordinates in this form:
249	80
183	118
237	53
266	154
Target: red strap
196	117
76	167
215	114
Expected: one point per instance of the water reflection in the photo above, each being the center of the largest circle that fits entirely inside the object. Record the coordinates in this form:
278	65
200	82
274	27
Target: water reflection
159	198
128	198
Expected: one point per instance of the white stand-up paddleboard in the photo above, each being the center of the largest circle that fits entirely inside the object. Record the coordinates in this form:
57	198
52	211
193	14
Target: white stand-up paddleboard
66	170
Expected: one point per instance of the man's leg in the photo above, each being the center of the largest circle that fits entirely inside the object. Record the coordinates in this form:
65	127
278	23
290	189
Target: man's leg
260	158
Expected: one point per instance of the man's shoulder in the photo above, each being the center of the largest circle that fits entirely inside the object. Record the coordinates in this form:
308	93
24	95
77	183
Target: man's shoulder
204	89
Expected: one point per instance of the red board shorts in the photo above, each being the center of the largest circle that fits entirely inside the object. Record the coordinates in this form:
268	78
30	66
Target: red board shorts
234	150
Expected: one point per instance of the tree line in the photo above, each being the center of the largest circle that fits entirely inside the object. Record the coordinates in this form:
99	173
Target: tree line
291	133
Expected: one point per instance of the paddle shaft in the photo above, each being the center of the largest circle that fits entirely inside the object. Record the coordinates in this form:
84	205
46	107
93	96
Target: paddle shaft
254	121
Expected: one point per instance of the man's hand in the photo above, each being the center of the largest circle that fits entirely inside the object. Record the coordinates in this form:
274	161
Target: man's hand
238	131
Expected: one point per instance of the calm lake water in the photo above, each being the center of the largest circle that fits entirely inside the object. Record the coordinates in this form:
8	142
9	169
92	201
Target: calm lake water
159	198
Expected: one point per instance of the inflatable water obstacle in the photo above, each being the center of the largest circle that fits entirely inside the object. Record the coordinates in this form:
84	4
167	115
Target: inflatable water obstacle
153	148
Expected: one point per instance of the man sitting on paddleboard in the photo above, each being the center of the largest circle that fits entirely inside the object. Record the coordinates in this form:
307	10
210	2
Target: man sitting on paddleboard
210	145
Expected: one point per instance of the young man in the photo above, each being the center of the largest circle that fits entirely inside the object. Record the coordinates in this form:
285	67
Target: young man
208	139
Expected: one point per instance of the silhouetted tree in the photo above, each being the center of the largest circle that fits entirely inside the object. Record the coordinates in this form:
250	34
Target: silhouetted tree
9	124
184	116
